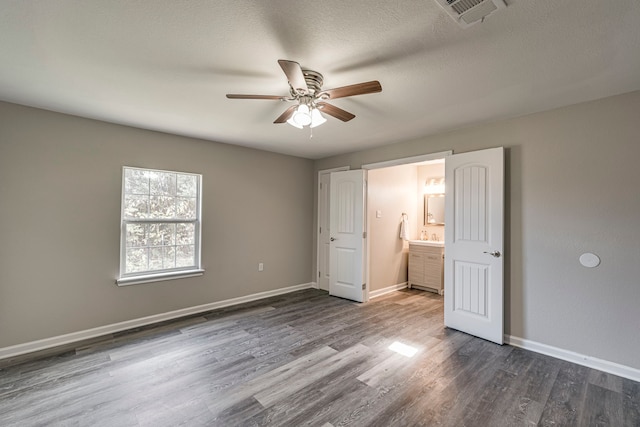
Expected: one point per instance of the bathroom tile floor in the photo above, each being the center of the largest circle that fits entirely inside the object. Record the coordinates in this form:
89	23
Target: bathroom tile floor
306	358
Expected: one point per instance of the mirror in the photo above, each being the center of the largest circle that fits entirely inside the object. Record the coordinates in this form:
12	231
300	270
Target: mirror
434	209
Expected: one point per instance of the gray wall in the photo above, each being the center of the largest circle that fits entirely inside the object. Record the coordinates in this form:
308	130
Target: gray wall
572	186
60	189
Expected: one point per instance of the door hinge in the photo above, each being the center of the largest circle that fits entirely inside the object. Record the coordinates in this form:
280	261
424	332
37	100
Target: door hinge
364	286
320	230
321	186
364	234
318	273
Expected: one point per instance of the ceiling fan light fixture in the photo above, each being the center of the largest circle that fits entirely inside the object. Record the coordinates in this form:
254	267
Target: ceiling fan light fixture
301	118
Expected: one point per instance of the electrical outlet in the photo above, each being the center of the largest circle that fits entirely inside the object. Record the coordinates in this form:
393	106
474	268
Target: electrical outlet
260	266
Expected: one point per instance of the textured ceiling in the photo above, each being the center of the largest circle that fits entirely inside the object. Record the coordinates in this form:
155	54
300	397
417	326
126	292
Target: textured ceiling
167	64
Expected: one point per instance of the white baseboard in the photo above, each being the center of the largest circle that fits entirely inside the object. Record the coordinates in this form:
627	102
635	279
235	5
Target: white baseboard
46	343
388	289
570	356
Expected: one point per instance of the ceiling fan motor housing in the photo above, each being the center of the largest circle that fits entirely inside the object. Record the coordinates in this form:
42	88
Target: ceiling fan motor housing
314	82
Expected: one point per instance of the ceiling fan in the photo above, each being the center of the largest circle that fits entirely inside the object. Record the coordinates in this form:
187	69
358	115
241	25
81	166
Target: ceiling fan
305	89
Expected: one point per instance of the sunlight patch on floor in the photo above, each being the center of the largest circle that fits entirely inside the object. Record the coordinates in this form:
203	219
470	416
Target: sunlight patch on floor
403	349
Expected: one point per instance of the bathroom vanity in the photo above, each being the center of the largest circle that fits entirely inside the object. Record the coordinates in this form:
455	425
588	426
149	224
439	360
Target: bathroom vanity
426	265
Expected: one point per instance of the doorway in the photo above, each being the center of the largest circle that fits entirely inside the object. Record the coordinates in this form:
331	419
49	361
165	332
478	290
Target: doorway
323	266
473	268
397	218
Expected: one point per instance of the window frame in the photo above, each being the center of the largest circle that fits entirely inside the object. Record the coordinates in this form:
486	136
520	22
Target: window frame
148	276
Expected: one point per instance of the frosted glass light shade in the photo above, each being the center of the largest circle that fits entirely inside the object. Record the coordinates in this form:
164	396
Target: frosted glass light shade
302	116
294	124
316	118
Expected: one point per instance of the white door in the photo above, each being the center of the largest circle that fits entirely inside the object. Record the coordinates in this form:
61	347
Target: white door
347	225
474	216
323	231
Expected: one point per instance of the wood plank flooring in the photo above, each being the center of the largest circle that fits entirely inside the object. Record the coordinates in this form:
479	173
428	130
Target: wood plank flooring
306	358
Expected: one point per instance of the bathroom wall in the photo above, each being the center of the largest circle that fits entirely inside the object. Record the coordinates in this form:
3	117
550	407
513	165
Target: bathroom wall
426	172
391	191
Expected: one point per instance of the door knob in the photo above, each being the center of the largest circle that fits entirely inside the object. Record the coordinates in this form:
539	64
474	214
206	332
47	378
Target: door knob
495	254
332	239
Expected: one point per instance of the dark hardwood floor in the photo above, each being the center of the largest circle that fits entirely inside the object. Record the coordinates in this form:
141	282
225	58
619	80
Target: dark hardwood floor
309	359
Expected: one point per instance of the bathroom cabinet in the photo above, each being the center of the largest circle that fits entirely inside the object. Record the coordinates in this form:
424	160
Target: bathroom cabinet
426	266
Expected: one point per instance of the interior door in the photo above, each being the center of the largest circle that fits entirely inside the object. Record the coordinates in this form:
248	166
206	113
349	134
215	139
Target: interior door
474	217
324	230
347	225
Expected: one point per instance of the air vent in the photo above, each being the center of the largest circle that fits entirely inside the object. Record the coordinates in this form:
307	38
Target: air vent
468	12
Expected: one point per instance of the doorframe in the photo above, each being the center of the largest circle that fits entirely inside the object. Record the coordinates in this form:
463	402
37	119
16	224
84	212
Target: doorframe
386	164
318	242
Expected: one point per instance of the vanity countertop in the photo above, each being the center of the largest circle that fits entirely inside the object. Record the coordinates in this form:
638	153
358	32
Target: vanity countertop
436	243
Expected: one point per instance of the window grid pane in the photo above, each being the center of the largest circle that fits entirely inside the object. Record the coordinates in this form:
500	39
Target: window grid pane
159	246
151	245
160	195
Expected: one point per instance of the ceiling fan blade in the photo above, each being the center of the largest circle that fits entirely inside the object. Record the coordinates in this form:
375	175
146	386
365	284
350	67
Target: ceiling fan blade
294	74
286	115
334	111
351	90
238	96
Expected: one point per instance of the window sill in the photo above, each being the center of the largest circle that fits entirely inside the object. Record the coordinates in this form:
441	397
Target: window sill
126	281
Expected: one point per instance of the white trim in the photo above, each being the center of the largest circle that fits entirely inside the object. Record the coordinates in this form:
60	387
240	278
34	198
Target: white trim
29	347
408	160
387	290
144	276
338	169
577	358
149	278
322	172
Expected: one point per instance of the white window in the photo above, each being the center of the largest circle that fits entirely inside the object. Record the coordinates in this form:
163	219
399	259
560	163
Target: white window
160	228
